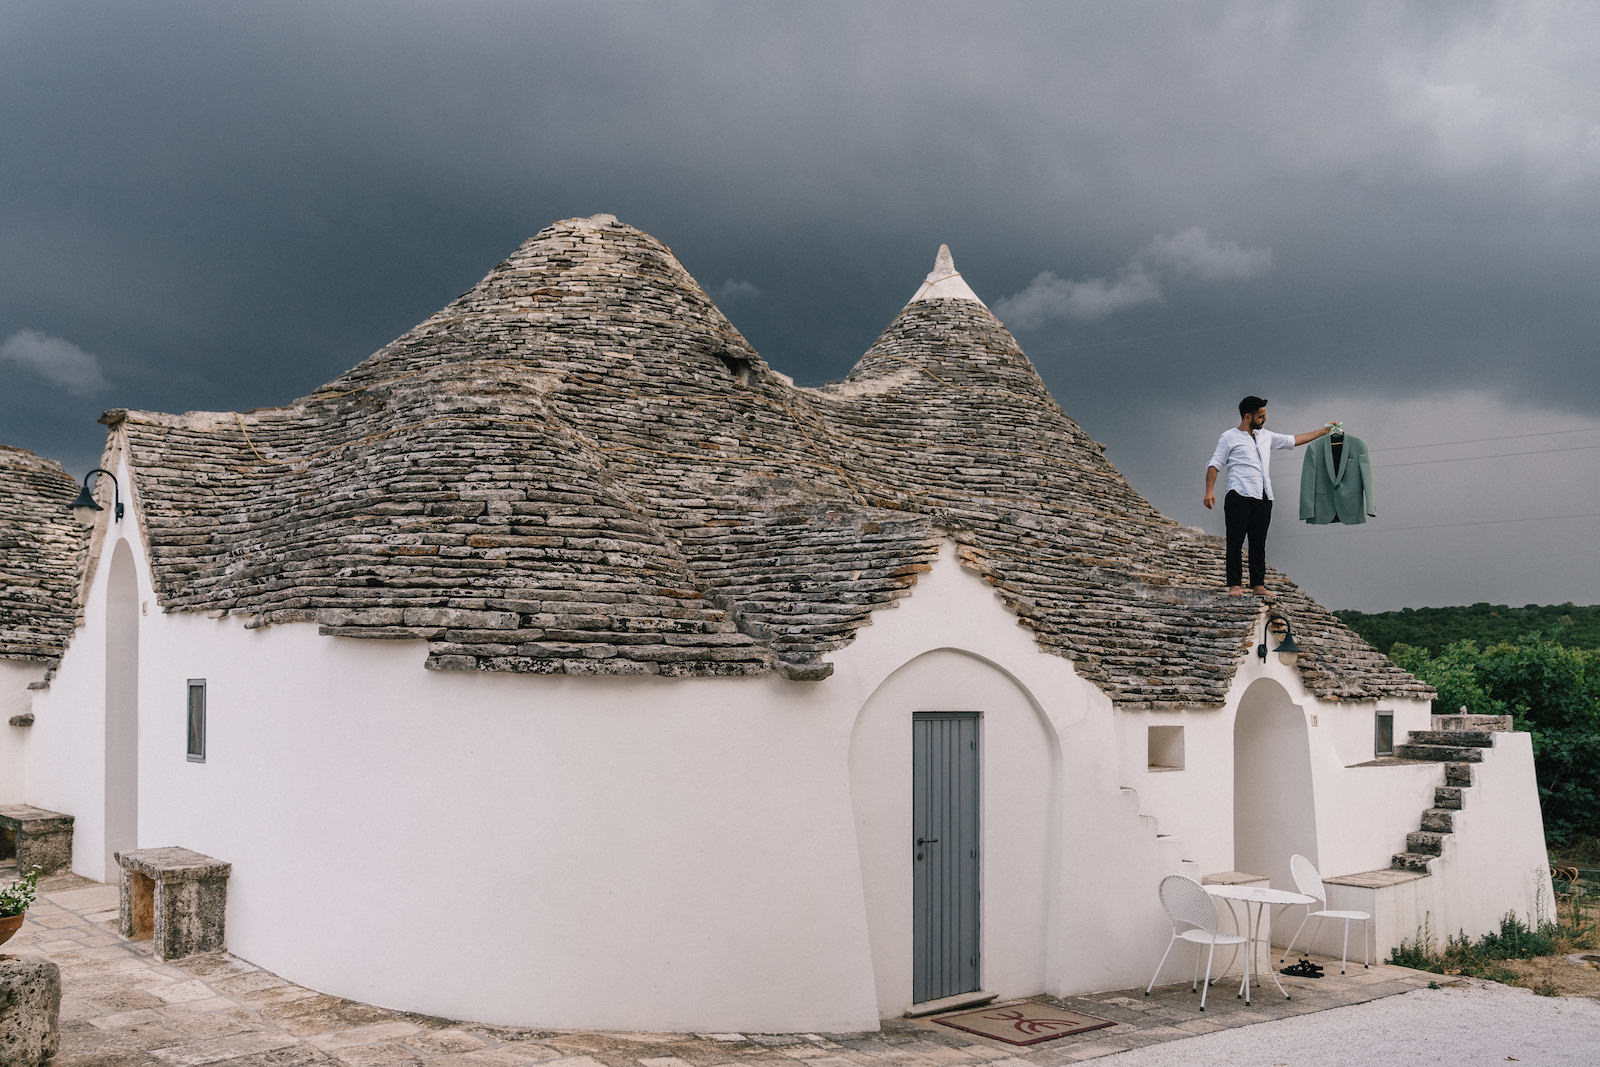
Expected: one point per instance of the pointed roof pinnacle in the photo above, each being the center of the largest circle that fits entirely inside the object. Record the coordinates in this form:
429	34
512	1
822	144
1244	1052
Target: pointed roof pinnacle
944	283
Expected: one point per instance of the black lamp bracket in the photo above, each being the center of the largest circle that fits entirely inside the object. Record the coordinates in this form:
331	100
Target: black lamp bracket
86	498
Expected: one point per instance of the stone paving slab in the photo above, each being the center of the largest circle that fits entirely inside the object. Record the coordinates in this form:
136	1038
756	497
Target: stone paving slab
122	1007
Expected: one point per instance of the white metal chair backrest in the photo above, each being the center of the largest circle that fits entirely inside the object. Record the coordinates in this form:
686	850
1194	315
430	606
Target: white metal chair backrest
1306	878
1187	902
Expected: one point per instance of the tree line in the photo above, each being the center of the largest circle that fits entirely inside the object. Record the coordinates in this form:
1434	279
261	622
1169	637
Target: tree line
1486	624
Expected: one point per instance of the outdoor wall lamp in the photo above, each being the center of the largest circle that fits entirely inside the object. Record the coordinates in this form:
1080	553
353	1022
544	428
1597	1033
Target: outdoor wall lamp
1288	651
84	509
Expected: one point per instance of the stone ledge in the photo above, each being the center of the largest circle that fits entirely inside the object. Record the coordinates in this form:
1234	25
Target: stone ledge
173	864
1375	879
1389	761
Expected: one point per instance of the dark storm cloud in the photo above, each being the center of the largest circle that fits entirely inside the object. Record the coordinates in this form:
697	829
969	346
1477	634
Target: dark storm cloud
1170	204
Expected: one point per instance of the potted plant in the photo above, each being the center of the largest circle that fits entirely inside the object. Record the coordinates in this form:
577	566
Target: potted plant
14	901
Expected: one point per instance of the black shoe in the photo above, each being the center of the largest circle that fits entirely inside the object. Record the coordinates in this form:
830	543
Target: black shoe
1304	969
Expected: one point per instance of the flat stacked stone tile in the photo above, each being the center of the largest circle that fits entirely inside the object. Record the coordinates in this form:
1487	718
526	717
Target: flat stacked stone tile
43	552
581	467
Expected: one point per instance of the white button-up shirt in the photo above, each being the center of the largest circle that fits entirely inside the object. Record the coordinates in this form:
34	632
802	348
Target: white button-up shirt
1245	457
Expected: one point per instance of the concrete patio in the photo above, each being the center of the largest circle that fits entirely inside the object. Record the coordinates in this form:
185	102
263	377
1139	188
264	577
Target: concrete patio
121	1005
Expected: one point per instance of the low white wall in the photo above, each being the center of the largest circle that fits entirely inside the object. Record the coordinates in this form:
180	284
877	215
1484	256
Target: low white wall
1494	862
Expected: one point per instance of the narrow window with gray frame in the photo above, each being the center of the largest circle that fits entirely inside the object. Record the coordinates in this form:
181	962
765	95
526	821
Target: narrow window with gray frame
197	720
1383	734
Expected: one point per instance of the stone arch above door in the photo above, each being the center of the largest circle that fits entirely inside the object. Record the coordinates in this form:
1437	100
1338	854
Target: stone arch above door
1019	817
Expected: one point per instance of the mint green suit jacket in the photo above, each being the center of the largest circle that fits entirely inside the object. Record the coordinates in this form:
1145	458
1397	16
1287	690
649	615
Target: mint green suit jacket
1330	490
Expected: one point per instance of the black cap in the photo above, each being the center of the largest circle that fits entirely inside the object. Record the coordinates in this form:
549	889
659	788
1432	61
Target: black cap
1251	403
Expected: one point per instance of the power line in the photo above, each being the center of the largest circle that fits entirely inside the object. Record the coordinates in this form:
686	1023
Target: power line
1295	475
1458	525
1495	455
1487	440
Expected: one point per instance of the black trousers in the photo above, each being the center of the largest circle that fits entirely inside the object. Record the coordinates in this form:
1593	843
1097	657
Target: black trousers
1247	518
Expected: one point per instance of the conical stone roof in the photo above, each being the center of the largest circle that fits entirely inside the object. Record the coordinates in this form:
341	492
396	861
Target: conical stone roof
42	556
580	466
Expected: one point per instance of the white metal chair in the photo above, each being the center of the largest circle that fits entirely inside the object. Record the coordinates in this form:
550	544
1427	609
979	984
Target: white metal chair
1194	919
1309	882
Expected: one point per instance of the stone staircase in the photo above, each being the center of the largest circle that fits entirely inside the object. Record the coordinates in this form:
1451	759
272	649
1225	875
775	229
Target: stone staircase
1457	741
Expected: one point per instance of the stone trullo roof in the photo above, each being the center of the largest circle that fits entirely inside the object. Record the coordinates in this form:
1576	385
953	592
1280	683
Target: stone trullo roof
42	555
581	467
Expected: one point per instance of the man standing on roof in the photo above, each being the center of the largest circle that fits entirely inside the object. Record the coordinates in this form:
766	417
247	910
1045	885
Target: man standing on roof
1247	507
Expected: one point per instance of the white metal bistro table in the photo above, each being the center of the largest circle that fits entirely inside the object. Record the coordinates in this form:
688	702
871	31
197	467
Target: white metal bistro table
1256	899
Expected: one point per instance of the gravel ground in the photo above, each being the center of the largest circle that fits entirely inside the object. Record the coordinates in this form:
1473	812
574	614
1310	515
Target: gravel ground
1473	1024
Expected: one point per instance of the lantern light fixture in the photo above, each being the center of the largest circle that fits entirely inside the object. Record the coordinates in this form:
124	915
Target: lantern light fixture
84	507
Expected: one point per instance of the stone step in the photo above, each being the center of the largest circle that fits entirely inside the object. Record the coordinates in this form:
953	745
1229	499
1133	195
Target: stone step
1439	820
1411	861
1458	774
1500	723
1440	753
1429	842
1449	796
1452	738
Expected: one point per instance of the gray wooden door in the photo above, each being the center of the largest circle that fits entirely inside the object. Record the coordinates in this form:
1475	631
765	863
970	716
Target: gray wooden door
944	820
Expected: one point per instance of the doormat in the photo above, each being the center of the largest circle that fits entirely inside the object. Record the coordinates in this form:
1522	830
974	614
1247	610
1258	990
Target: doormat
1023	1023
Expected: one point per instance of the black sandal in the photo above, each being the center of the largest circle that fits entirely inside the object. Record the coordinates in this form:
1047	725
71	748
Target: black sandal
1304	969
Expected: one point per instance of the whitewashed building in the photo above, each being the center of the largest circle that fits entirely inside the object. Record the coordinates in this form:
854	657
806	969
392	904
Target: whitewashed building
42	556
606	678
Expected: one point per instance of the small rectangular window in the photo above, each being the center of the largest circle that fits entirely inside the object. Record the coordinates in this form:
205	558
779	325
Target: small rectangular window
197	720
1165	751
1383	734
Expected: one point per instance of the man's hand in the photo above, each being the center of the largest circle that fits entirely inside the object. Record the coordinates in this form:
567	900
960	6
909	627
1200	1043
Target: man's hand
1211	499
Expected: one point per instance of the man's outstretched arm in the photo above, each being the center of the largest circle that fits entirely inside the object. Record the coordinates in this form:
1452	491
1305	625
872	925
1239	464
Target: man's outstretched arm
1312	435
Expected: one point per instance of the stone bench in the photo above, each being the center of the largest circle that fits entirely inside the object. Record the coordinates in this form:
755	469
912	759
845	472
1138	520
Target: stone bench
30	1010
176	897
36	838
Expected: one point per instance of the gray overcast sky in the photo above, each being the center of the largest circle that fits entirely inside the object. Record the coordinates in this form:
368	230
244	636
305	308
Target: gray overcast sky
1383	212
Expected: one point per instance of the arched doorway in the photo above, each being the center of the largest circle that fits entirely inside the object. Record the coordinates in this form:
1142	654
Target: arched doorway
1274	807
121	707
953	749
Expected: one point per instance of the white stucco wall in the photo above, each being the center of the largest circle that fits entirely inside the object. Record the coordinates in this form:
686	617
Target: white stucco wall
15	699
66	746
645	853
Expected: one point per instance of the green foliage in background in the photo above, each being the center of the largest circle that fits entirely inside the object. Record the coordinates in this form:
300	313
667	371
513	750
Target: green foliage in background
1550	690
1488	624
